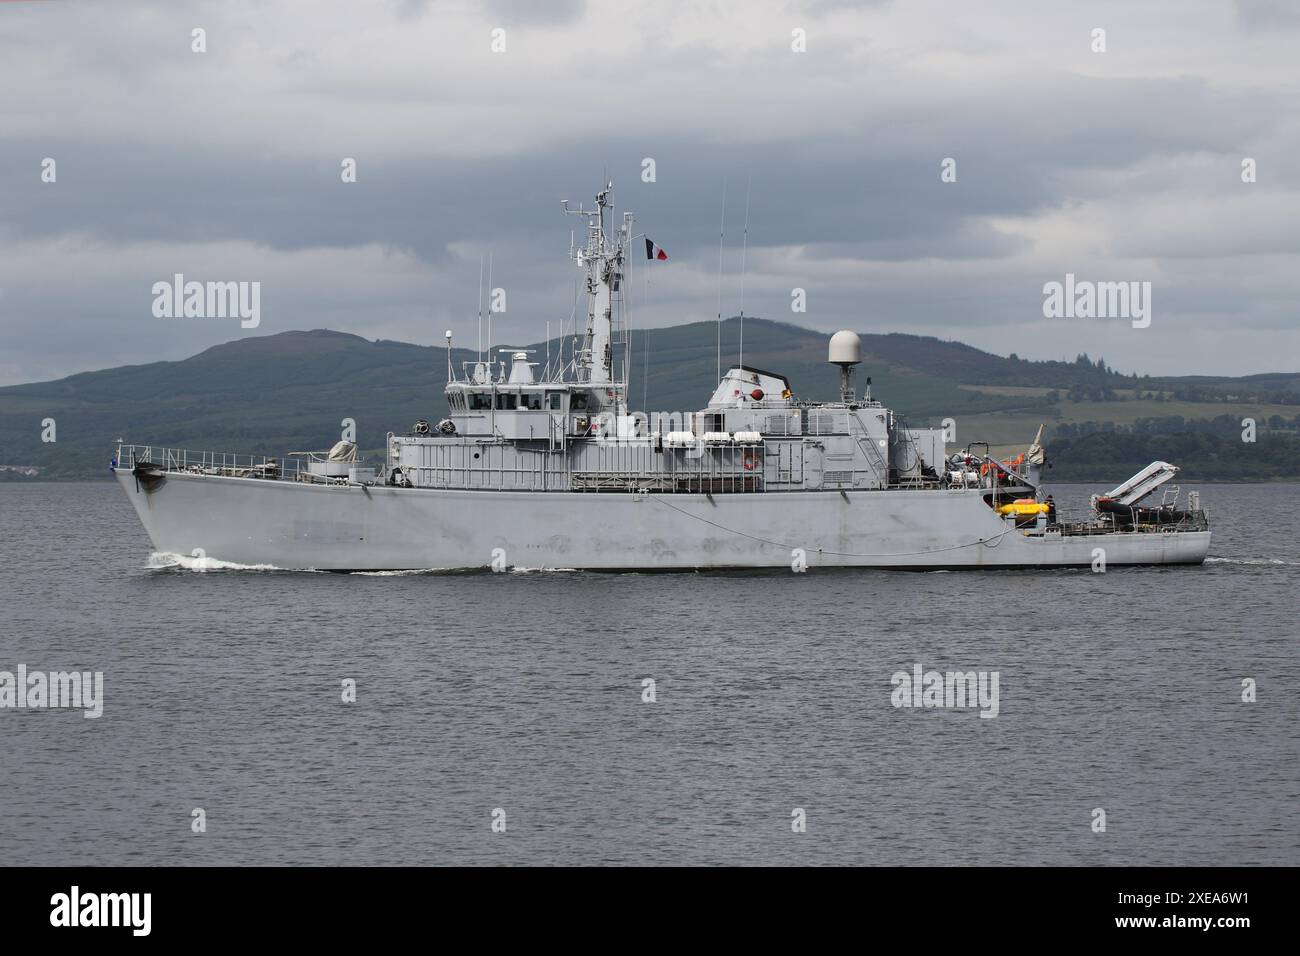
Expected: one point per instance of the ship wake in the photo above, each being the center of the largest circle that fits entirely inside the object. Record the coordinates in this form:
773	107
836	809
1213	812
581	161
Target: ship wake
1255	562
169	561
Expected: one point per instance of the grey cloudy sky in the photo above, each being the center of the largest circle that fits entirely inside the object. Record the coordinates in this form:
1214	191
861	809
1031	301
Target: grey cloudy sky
225	165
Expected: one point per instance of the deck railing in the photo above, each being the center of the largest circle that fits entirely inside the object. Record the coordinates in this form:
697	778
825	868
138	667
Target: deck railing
1076	522
219	463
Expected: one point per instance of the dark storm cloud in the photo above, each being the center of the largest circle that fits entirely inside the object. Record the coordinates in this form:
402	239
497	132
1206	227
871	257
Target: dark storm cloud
870	180
227	165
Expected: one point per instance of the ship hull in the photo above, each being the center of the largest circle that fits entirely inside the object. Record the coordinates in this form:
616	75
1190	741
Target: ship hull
296	525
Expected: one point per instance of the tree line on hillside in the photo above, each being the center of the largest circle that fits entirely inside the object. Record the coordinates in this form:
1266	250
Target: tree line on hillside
1227	425
1202	455
1086	380
1187	393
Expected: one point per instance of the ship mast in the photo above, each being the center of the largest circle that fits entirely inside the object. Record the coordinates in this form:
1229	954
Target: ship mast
603	261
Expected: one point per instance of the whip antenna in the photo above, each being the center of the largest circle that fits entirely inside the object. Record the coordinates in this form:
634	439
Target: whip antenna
744	248
722	227
480	307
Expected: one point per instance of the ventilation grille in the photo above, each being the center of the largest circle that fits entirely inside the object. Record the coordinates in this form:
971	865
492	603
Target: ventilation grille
820	423
778	425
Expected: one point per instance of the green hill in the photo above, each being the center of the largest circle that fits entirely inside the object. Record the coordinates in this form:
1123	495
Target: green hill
289	392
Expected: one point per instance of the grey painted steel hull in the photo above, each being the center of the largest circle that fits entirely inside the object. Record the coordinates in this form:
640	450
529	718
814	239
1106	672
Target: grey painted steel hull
295	525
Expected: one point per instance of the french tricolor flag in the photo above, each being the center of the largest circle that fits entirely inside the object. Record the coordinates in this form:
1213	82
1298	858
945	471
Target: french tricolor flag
655	252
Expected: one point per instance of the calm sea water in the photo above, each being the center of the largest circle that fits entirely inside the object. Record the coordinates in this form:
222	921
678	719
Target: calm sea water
524	692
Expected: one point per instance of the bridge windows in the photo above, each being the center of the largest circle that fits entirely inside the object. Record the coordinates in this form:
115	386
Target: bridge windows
523	400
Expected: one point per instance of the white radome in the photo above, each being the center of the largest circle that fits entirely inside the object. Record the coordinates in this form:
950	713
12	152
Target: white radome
845	348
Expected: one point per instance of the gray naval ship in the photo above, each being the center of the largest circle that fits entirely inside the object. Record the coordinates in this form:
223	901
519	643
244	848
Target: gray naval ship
542	466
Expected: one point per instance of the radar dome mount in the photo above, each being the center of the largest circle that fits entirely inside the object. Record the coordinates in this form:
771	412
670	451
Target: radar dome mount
846	351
